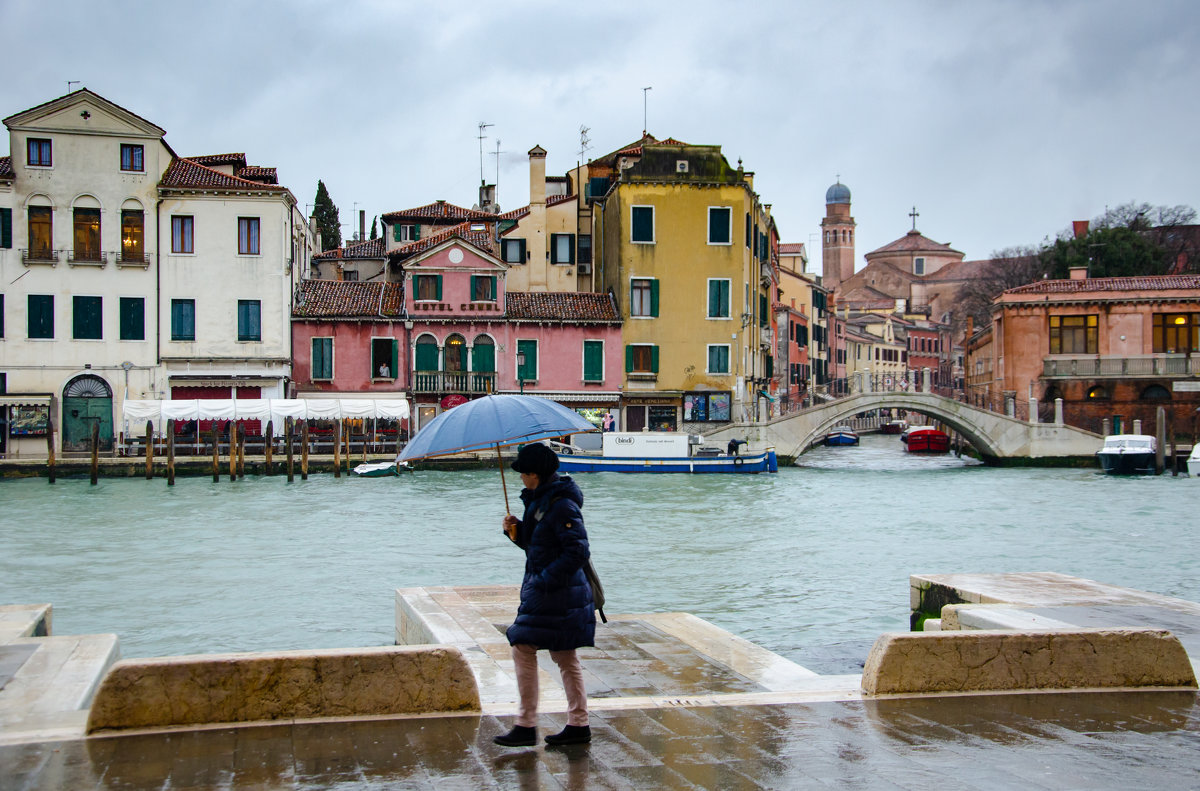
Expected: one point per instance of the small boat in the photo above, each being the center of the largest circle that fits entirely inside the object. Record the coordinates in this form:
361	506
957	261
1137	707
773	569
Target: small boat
926	439
893	427
663	451
841	435
1193	462
381	469
1129	454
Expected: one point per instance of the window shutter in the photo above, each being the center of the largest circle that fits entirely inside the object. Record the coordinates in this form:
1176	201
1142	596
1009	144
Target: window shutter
628	358
396	233
521	255
654	298
395	359
5	227
654	359
416	234
318	358
747	230
593	361
427	356
483	358
439	287
472	295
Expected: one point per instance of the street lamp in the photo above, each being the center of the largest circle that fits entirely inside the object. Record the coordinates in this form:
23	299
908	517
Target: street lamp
521	371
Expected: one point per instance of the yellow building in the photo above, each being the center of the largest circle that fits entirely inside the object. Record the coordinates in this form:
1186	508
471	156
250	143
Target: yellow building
687	248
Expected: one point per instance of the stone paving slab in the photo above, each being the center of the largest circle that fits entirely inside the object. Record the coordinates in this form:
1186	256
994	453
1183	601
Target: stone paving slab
1143	740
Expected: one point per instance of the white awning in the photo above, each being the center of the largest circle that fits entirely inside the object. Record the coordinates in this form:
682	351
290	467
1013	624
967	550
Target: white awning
29	399
135	413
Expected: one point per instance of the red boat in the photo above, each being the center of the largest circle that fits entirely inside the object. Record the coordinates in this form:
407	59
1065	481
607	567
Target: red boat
926	439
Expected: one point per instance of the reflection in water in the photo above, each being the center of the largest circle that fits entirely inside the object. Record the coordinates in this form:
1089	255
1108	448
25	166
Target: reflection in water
812	563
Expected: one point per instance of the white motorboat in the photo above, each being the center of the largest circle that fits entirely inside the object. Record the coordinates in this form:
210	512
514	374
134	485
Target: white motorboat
1128	454
1193	462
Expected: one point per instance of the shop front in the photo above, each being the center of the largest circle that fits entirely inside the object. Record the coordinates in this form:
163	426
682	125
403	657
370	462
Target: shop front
659	412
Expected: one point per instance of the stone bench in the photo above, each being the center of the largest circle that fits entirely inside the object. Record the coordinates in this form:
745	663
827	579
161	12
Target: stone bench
226	688
982	660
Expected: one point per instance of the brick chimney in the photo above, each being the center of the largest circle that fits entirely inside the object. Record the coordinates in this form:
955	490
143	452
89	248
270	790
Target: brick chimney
1079	272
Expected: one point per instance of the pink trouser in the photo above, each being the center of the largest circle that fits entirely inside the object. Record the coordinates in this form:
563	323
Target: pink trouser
525	659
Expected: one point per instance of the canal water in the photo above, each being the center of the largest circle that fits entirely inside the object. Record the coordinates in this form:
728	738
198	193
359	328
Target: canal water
812	563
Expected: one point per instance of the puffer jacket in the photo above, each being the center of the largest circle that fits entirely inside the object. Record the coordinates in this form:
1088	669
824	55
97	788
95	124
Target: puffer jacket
557	612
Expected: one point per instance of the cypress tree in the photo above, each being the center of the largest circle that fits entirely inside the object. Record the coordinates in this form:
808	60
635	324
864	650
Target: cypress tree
374	230
328	222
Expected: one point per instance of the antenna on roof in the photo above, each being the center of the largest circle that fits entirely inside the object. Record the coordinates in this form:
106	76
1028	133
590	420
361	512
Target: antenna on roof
584	141
70	83
497	156
482	126
644	125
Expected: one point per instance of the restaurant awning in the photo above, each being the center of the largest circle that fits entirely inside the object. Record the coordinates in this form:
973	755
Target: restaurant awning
25	399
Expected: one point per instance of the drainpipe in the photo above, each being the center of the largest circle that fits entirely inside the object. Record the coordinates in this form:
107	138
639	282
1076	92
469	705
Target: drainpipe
158	281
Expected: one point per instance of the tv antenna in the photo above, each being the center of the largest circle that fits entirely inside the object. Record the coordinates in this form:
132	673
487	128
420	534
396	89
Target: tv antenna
585	143
482	126
645	90
70	83
497	156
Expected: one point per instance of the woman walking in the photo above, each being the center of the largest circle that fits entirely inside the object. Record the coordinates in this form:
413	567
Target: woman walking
557	611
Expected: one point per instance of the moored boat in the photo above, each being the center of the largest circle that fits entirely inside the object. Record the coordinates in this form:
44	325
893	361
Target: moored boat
1129	454
1193	462
893	427
381	469
926	439
841	435
650	451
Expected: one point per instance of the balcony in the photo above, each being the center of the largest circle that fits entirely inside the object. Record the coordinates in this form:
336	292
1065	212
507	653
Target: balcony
465	382
87	258
1147	366
134	259
39	256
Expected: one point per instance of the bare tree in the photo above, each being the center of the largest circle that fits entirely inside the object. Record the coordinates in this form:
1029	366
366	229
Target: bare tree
1007	268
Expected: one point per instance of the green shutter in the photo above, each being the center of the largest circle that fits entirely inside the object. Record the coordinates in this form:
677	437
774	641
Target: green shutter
416	232
642	220
763	318
40	316
396	232
5	227
654	298
528	372
395	359
654	359
471	296
133	319
427	356
593	361
770	366
483	358
86	318
439	287
628	357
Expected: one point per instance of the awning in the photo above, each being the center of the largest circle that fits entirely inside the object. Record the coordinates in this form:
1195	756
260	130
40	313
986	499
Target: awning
576	397
135	412
767	396
25	399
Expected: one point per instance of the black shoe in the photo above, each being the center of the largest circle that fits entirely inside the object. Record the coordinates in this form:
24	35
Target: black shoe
519	736
572	734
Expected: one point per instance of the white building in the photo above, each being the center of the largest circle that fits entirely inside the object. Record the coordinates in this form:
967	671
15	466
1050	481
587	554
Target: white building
127	271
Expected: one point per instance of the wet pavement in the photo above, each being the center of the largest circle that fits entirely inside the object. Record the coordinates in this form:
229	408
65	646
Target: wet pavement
1127	740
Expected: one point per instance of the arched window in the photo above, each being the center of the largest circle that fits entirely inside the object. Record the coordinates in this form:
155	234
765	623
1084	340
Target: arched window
1156	393
426	358
1098	393
456	353
483	355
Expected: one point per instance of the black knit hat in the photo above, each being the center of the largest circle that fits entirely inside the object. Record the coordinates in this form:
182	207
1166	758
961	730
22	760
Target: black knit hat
537	459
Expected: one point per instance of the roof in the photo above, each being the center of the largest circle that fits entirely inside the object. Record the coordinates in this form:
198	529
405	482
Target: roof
561	306
369	248
792	248
81	93
438	210
259	174
237	159
6	171
1111	284
480	239
635	148
348	299
189	174
914	242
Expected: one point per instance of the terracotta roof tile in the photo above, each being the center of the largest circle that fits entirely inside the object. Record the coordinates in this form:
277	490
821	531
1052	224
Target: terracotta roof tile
6	171
481	239
438	210
791	248
561	306
913	241
370	248
259	174
188	174
348	299
208	160
1094	284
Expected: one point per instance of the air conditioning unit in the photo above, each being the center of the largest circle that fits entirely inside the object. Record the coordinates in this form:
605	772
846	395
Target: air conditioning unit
585	268
681	166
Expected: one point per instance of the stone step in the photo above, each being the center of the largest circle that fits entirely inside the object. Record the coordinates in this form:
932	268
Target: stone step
24	620
49	692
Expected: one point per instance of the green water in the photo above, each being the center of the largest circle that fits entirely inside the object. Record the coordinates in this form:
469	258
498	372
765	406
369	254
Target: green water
812	562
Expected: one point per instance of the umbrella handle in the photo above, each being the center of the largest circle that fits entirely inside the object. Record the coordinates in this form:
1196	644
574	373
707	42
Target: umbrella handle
503	485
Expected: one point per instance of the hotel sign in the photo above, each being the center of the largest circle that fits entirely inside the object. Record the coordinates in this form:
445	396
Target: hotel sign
1186	387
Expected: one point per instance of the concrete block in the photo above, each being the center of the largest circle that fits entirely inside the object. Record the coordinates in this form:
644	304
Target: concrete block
218	688
967	661
18	621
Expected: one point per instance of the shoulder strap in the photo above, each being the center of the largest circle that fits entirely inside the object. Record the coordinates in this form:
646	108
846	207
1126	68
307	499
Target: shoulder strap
544	507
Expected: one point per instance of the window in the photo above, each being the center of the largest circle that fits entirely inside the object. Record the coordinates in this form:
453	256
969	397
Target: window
406	233
585	249
483	288
87	235
513	251
1	321
1176	333
643	297
720	220
248	236
86	318
527	350
131	158
132	235
249	320
718	358
40	231
593	361
705	407
384	358
41	316
562	248
454	354
1073	334
5	227
918	266
641	358
1097	393
350	275
181	234
718	298
38	153
427	353
427	288
641	224
183	319
133	318
1156	393
322	358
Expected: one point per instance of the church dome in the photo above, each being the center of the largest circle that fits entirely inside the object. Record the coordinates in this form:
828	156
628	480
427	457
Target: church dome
838	193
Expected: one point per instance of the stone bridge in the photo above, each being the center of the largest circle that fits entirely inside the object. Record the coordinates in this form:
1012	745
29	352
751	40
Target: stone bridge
995	436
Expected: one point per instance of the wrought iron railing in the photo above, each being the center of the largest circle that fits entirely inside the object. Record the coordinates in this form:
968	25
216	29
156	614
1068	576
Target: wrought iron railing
87	257
39	256
465	382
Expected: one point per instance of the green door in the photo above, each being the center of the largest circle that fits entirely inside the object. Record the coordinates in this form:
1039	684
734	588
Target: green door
87	401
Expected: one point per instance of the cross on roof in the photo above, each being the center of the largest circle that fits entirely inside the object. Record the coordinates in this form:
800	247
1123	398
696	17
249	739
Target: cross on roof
914	214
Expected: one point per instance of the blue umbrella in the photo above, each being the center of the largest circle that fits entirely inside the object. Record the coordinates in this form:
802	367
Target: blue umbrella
493	422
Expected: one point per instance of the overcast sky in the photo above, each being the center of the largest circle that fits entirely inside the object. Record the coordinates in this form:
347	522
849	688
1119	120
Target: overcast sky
1000	121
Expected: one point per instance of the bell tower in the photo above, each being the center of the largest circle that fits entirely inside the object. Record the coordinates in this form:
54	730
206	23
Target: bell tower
837	238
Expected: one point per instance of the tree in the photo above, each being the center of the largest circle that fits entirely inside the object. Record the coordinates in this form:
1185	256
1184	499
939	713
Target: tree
328	223
1107	252
374	230
1007	268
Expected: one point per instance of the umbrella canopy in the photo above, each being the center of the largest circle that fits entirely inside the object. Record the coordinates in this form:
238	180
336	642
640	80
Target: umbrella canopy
493	421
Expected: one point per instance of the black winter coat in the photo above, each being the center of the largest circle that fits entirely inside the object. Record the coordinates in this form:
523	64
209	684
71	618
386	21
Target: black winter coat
557	612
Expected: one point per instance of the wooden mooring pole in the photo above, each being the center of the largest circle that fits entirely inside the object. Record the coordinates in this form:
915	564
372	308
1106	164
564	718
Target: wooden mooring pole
170	453
241	457
50	449
95	452
337	450
216	461
149	449
304	451
288	425
232	451
267	449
